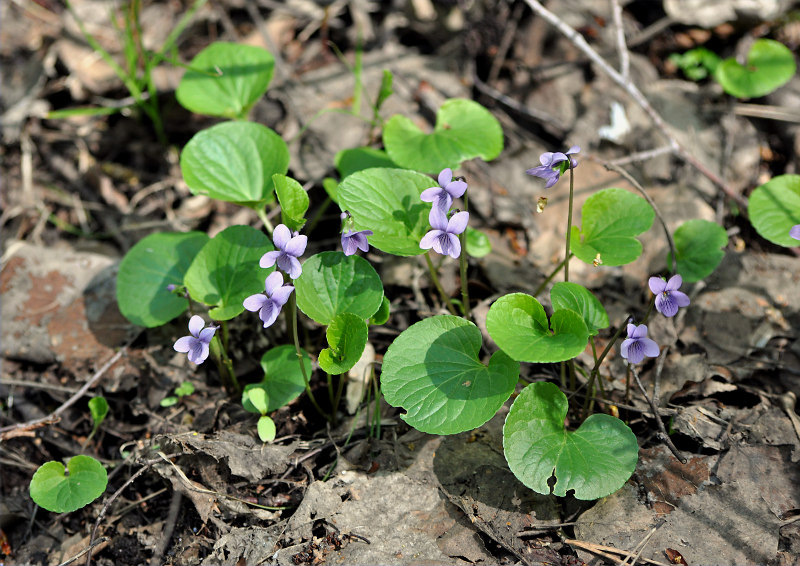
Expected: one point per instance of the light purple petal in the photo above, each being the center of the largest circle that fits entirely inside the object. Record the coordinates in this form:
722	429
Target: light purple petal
552	179
635	352
253	303
657	285
269	259
428	239
440	243
198	353
432	195
453	246
296	246
674	283
445	177
546	158
638	332
666	305
573	149
650	348
458	222
539	171
681	298
281	236
624	348
437	218
282	295
273	281
558	157
631	329
294	268
207	334
349	245
269	314
456	188
184	344
196	324
795	232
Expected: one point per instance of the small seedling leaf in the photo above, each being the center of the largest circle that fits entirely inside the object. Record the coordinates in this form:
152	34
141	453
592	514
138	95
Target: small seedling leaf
770	65
579	299
347	337
698	246
293	200
255	399
184	389
478	244
98	408
774	208
266	429
55	491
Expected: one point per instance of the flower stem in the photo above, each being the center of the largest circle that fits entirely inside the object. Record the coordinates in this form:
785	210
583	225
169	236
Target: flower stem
438	285
596	368
464	281
224	363
291	323
262	214
567	254
552	274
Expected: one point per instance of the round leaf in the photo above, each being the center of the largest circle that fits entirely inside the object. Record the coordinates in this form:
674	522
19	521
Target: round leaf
225	272
333	283
770	64
594	461
226	79
574	297
464	130
53	490
255	399
98	408
293	200
349	161
774	208
478	244
347	337
387	202
283	378
610	220
518	324
266	429
432	370
235	162
144	273
382	315
698	246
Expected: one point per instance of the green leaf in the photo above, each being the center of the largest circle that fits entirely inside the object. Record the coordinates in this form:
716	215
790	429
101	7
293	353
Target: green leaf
770	65
226	271
432	370
283	378
385	90
698	246
347	337
611	218
98	408
387	202
235	162
774	208
169	401
156	261
696	63
518	324
464	130
266	429
382	315
578	298
349	161
184	389
478	244
331	187
594	461
333	283
226	79
293	200
255	399
55	491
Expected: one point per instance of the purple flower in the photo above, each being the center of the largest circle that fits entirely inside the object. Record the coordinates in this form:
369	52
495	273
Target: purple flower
795	232
196	345
668	298
443	195
351	241
443	238
637	345
269	305
290	247
553	165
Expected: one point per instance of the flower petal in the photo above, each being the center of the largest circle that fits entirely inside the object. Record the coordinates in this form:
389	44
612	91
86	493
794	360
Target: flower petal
650	348
273	281
281	236
453	246
297	246
546	158
428	239
623	349
207	334
282	295
198	353
269	314
349	245
657	285
294	269
431	195
681	298
674	283
268	259
437	218
196	324
573	149
445	177
635	352
795	232
666	305
184	344
253	303
456	188
458	222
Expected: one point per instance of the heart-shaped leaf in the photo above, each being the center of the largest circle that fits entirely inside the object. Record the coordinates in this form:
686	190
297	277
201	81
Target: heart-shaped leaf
225	272
226	79
387	202
519	325
235	162
55	491
156	261
283	379
697	245
333	283
770	64
464	130
574	297
382	315
610	219
293	200
478	244
774	208
593	461
347	337
432	370
349	161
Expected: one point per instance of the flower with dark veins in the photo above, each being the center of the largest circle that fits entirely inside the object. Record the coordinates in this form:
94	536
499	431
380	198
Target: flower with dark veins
637	345
444	236
553	165
290	247
668	298
443	195
196	345
269	304
355	240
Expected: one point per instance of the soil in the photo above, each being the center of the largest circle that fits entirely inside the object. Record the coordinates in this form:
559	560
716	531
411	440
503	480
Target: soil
79	192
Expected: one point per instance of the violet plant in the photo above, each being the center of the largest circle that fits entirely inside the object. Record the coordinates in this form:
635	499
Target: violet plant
434	370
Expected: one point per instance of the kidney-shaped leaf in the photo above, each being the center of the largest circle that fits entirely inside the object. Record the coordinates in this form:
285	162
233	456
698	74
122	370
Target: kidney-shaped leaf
770	64
283	379
610	219
464	130
519	325
574	297
593	461
698	246
432	370
774	208
349	161
55	491
226	272
235	162
226	79
144	273
347	337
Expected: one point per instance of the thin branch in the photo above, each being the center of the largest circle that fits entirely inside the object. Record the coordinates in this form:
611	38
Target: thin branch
662	432
622	48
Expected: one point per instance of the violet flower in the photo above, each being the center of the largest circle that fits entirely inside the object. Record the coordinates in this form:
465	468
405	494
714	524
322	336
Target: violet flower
668	298
795	232
290	247
637	345
196	345
443	195
353	240
554	164
444	236
269	304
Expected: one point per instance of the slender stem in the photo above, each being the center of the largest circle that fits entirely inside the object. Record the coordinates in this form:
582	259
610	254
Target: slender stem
569	222
571	368
291	323
329	379
662	432
338	397
262	214
224	365
463	267
438	285
563	376
596	368
552	274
